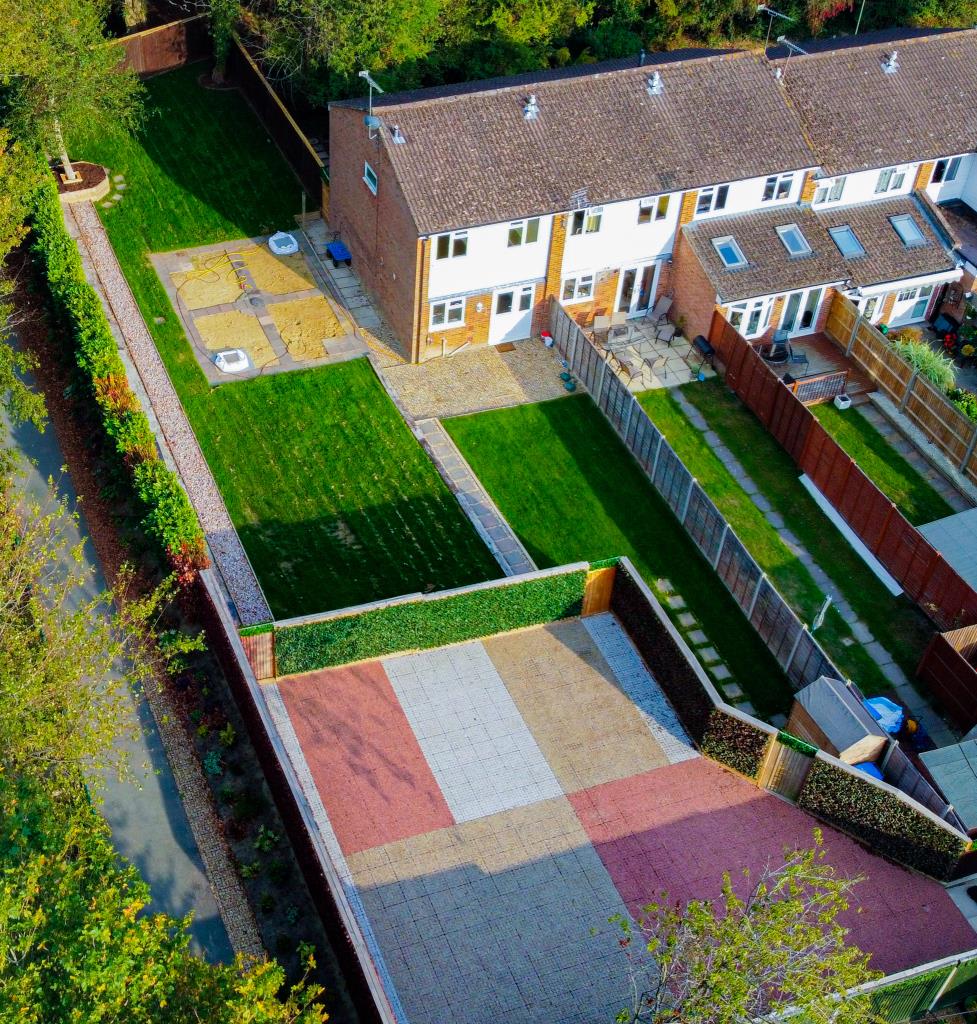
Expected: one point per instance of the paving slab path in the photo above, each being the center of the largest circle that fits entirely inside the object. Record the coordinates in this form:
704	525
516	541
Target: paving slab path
904	689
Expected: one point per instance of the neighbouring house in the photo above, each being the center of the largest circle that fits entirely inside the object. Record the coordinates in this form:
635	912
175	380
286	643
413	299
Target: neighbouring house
724	179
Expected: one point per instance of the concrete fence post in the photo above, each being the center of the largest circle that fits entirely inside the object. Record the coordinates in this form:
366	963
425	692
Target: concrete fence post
797	643
908	392
853	337
627	422
688	500
756	594
970	451
600	386
722	544
941	991
654	465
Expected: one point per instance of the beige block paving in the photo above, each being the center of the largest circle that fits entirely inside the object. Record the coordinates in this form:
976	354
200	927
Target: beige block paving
305	325
277	275
235	329
588	729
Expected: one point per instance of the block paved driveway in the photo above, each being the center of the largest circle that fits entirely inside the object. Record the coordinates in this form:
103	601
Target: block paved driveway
489	804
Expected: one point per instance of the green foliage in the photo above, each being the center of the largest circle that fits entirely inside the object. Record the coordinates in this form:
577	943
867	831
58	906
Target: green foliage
735	743
212	763
934	366
169	517
265	627
419	625
880	820
965	401
266	839
785	739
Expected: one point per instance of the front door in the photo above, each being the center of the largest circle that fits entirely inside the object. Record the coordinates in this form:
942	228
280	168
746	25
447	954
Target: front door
801	311
636	290
512	314
911	305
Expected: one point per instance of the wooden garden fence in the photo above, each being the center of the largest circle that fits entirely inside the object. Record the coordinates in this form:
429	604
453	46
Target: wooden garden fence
906	554
947	668
166	46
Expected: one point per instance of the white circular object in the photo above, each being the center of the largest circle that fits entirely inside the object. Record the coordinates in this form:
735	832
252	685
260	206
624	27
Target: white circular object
282	243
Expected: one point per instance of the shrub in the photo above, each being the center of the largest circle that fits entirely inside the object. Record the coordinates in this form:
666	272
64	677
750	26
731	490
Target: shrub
75	307
880	820
735	743
965	401
934	366
212	763
419	625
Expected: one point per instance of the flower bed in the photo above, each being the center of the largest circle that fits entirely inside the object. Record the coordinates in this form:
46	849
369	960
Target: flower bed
735	743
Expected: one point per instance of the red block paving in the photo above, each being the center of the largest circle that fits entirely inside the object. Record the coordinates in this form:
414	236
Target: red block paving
372	777
678	828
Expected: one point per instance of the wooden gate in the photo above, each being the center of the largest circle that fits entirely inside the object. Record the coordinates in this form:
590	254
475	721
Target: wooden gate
784	770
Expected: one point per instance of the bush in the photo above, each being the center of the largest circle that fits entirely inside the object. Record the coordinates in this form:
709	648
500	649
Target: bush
934	366
735	743
76	309
420	625
880	820
965	401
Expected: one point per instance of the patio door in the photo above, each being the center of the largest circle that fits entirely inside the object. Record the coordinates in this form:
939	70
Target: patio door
636	290
801	311
512	314
911	305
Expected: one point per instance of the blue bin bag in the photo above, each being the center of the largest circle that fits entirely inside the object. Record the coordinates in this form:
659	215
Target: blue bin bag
887	713
869	769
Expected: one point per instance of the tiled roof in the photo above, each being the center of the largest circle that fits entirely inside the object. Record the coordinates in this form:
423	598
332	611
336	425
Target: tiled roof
771	269
858	117
471	157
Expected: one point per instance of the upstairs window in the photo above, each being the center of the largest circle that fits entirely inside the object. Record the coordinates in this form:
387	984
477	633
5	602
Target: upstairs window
890	180
945	170
847	241
729	252
712	198
794	241
777	186
830	193
370	178
523	232
451	246
586	222
655	208
908	230
450	313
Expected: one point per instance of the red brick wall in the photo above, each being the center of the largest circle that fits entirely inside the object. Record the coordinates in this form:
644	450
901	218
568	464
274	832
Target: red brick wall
378	230
693	293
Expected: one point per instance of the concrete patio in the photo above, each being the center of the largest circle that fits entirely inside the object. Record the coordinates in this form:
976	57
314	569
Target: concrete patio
644	361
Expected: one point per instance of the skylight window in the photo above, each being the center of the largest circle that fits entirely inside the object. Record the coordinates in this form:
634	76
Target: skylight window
908	230
794	241
847	241
729	252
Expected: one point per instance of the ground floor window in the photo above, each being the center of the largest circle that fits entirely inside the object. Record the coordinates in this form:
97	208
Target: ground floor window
750	318
576	289
450	311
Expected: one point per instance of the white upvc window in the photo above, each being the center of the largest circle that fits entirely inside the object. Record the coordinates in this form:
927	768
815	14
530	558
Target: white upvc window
712	198
907	294
523	232
890	179
777	186
945	170
830	193
586	222
654	208
450	246
729	252
578	288
794	241
448	313
750	318
370	177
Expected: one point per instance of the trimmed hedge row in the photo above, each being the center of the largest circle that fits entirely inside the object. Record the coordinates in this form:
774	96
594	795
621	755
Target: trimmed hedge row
880	820
787	739
169	517
735	743
422	624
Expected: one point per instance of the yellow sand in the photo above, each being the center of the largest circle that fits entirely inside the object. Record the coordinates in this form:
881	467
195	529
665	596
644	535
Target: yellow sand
236	330
277	275
211	282
305	324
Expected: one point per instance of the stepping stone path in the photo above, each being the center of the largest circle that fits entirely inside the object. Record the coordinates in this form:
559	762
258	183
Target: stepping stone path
686	620
698	638
676	602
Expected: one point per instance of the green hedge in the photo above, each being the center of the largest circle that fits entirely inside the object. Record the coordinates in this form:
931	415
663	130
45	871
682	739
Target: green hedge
880	820
787	739
735	743
418	625
169	517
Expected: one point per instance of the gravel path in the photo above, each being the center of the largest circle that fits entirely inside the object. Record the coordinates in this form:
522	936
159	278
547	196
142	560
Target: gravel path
225	546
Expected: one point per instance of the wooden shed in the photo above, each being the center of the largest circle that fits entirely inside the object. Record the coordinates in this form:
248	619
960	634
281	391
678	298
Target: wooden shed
829	714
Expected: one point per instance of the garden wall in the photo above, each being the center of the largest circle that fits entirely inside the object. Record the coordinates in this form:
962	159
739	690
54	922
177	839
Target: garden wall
918	567
166	46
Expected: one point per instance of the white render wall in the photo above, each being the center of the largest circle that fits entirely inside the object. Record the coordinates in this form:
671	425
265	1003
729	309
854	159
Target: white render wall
968	182
860	186
956	189
748	195
490	262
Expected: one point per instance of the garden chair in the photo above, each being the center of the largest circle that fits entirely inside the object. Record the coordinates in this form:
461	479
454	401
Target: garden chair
619	336
666	333
602	324
657	314
660	363
627	368
797	356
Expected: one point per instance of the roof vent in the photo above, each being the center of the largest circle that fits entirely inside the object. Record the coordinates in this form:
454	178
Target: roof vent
397	136
655	84
890	65
531	110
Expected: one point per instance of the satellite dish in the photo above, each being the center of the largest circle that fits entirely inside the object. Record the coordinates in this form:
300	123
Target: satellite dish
372	122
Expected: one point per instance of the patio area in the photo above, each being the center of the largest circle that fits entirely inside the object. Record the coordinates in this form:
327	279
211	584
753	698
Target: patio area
646	355
816	355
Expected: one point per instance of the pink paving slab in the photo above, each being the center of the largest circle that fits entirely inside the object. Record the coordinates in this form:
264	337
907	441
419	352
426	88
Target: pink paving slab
372	777
676	829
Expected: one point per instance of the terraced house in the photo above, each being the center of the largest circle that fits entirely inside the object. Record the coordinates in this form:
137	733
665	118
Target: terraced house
727	180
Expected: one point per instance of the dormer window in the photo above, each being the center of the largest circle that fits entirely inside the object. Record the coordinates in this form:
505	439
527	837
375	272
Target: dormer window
847	241
586	222
794	241
655	208
729	252
830	193
712	198
908	230
777	186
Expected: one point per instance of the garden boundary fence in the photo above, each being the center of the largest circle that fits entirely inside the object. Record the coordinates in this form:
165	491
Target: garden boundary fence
947	668
919	568
924	405
166	46
274	115
786	637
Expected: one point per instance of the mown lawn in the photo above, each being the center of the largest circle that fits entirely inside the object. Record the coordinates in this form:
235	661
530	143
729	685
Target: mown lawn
573	492
335	501
902	629
787	574
911	492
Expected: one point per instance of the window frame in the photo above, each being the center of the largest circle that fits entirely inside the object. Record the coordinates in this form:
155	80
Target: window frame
587	221
785	229
370	178
779	186
840	229
895	180
452	241
950	169
577	295
447	323
656	208
524	227
728	240
832	192
715	197
904	218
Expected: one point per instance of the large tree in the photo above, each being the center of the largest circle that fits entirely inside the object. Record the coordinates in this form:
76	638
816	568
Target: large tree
61	73
745	958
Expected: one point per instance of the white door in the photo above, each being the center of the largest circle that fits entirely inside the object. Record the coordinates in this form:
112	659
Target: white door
636	289
512	314
801	311
911	305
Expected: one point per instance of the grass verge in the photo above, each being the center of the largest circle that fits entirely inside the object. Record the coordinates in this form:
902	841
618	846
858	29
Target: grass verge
573	492
894	476
896	622
335	501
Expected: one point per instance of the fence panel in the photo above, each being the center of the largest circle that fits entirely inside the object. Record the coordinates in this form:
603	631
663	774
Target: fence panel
951	678
672	480
775	622
705	524
784	771
809	662
166	46
900	772
738	571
